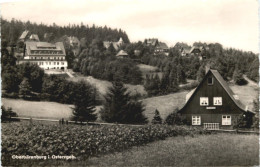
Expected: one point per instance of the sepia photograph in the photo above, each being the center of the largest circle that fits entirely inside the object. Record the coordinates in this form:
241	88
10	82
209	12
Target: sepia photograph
129	83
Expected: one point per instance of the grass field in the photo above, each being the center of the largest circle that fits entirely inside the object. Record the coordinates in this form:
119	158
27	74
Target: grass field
147	69
210	150
247	94
164	104
36	109
103	85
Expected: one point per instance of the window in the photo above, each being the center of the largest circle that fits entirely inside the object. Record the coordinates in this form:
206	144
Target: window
217	101
195	120
58	63
226	120
62	63
54	63
210	81
204	101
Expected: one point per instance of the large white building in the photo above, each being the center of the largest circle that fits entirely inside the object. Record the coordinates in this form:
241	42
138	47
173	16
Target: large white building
45	55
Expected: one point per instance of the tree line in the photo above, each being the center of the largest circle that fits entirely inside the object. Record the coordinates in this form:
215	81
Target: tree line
12	30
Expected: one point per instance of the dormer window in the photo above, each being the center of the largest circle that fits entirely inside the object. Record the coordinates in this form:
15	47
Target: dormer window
210	81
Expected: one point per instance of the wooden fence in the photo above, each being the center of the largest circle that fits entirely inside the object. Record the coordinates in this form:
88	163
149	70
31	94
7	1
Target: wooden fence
62	121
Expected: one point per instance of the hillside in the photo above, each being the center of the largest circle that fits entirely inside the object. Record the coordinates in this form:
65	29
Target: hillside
165	104
103	85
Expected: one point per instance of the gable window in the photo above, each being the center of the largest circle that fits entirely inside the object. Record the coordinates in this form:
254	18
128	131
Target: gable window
217	101
204	101
210	81
196	120
226	120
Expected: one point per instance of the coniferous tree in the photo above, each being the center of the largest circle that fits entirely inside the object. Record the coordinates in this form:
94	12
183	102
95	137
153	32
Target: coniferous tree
157	118
120	107
84	102
174	118
25	88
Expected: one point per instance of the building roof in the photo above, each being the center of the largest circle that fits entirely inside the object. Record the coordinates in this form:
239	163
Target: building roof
44	46
152	41
194	48
122	53
225	87
116	45
24	34
34	37
162	45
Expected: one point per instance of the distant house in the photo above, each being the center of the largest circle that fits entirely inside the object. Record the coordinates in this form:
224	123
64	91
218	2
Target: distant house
45	55
116	45
122	54
213	104
151	42
185	51
159	47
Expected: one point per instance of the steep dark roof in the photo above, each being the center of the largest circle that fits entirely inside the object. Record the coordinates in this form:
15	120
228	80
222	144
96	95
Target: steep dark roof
162	45
223	83
193	48
152	41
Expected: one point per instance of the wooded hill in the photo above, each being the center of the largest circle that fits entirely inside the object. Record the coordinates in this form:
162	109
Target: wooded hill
11	31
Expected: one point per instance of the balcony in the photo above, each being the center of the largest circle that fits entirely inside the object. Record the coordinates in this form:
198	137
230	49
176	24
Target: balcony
211	126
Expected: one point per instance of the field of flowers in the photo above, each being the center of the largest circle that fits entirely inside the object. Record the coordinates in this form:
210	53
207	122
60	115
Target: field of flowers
42	139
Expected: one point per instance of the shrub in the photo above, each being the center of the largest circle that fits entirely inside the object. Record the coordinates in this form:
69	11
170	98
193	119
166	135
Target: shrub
82	142
174	118
7	113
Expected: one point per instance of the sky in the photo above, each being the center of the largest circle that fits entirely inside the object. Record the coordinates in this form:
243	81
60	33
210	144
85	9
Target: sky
233	23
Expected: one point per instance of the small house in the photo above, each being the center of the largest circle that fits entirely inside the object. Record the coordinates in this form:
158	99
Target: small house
213	104
116	45
122	54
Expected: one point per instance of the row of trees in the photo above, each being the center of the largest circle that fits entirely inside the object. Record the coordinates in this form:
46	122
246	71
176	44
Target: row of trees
11	31
103	64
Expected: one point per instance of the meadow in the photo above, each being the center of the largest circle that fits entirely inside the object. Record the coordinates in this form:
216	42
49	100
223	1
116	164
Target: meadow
202	150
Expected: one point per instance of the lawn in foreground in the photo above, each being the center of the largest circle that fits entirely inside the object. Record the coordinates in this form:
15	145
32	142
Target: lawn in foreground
202	150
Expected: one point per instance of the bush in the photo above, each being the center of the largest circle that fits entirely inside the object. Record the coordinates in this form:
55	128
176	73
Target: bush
7	113
174	118
82	142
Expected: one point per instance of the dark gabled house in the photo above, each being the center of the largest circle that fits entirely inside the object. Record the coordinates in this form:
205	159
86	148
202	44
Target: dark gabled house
116	45
213	104
151	42
159	47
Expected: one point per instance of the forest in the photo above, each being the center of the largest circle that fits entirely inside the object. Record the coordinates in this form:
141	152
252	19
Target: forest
95	60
